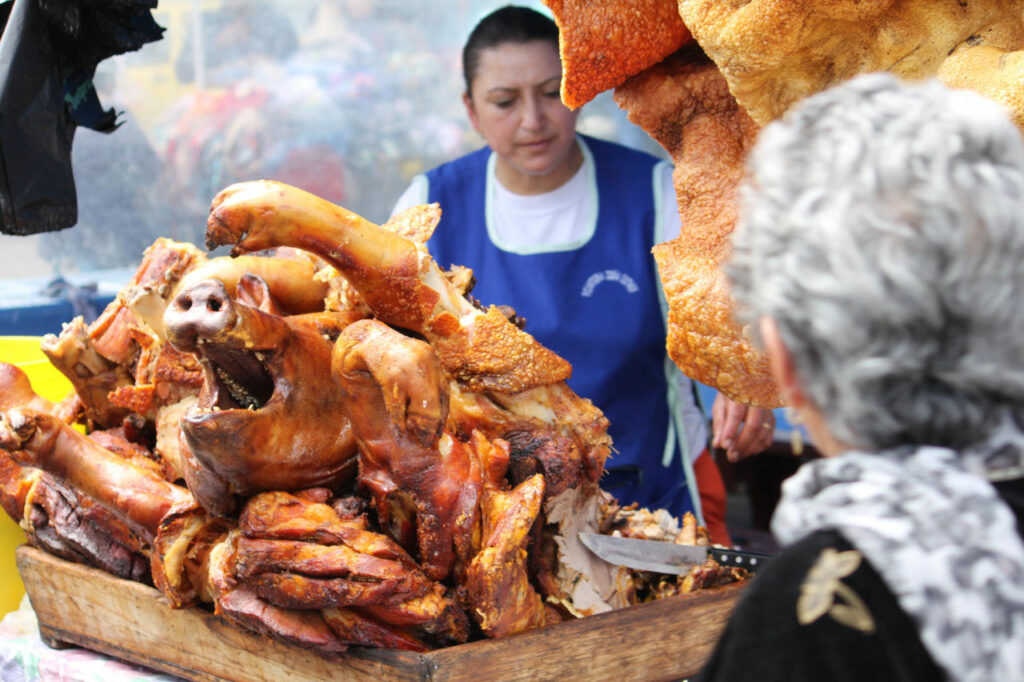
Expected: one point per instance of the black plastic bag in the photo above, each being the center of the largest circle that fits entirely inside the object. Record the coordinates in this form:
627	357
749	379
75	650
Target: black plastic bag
49	50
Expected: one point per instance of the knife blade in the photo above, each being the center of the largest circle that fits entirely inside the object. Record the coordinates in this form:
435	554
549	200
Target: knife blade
666	557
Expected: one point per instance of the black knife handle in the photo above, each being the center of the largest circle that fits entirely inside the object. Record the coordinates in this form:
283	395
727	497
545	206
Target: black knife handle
734	557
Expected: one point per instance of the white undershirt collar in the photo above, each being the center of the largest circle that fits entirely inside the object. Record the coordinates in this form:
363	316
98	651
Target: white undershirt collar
563	219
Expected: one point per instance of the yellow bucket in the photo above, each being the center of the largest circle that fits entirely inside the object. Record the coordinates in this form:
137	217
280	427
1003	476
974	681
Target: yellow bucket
48	382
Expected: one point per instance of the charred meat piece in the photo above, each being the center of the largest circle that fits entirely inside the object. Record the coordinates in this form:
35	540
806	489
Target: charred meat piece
300	554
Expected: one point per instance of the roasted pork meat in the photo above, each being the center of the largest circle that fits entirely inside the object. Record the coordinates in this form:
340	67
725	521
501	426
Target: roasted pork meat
366	459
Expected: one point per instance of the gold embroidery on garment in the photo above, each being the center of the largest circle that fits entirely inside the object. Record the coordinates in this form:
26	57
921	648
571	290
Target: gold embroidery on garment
823	592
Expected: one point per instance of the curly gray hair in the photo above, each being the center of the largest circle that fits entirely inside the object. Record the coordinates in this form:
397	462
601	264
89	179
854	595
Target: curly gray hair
882	227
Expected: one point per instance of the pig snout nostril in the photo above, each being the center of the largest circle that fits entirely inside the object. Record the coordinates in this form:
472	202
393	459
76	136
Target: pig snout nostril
214	305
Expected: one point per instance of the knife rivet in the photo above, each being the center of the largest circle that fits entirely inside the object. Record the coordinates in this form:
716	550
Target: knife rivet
753	561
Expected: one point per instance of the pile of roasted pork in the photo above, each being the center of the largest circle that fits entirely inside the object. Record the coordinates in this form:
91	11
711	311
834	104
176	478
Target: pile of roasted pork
324	439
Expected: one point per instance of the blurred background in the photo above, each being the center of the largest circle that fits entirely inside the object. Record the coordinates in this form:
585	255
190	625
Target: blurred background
347	99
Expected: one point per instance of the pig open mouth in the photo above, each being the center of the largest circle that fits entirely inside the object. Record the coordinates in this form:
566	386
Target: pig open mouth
239	379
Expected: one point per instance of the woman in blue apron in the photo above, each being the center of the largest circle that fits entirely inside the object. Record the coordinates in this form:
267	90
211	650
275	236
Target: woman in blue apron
560	226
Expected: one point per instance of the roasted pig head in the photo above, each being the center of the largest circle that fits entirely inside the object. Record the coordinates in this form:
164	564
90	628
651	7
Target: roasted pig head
270	415
506	384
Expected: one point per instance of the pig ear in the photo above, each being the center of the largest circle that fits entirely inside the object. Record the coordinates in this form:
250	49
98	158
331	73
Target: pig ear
253	290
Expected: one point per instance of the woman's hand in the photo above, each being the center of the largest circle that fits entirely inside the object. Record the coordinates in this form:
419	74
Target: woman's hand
740	430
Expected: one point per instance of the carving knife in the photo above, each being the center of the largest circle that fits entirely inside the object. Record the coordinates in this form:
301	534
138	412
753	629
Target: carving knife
666	557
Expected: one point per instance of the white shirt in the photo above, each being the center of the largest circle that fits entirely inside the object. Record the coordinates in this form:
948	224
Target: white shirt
537	221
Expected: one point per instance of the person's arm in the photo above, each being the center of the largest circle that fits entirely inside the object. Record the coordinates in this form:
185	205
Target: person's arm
695	423
669	205
694	419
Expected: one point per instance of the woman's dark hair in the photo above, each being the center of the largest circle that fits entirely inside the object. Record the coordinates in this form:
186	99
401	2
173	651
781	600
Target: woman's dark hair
509	24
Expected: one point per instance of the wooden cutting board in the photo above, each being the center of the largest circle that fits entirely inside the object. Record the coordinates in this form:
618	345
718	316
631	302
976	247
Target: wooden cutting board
661	640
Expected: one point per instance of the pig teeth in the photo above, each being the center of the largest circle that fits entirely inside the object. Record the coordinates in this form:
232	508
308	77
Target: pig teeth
237	391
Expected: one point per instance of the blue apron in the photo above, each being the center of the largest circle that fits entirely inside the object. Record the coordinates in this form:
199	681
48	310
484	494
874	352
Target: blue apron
597	304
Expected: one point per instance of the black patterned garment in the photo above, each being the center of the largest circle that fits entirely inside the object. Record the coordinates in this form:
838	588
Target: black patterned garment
806	618
906	566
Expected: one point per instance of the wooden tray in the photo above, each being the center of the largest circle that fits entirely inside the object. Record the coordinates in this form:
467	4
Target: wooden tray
661	640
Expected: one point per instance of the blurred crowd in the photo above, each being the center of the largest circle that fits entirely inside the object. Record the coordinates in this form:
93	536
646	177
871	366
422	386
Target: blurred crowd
326	96
345	99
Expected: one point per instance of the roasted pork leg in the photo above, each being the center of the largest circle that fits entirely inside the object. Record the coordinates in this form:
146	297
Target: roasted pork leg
395	277
138	497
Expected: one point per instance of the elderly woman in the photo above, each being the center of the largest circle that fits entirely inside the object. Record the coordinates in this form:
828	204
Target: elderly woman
880	256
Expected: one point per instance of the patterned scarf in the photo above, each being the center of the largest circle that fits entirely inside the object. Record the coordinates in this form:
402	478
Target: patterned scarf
940	537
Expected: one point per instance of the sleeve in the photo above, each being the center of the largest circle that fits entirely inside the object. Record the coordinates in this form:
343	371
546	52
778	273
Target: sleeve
414	195
668	204
694	421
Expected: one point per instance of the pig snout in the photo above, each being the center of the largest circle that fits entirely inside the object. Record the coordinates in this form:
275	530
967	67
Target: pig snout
202	311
